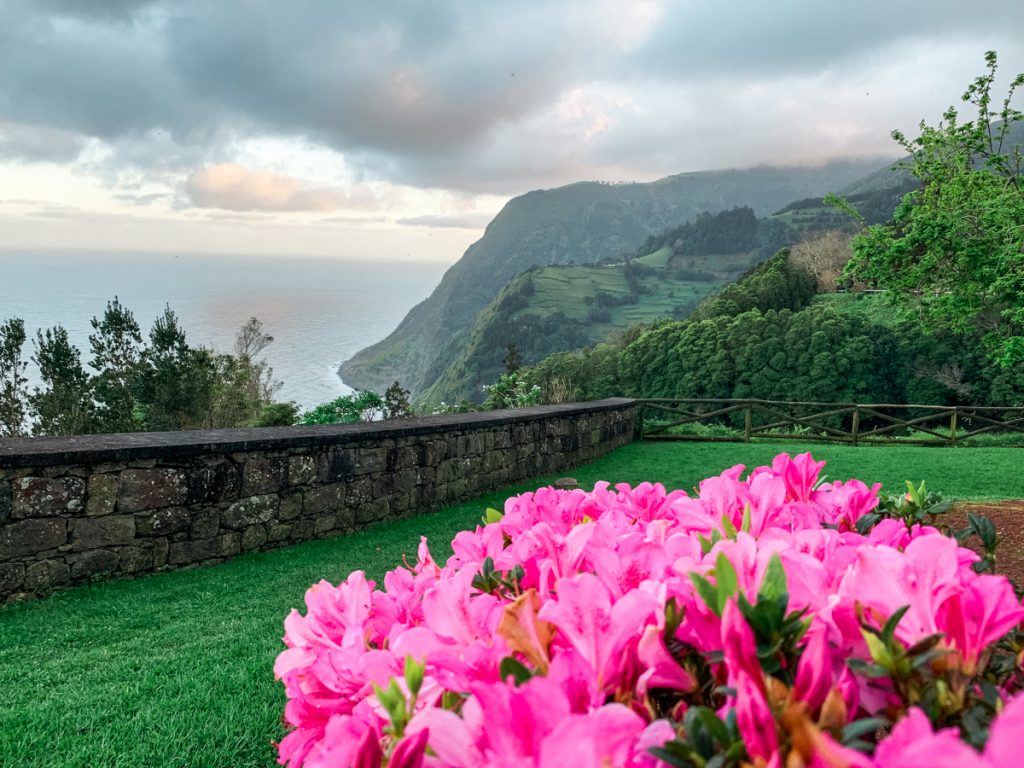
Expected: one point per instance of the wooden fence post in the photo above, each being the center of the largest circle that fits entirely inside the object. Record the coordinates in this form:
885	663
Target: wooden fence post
856	424
747	419
952	427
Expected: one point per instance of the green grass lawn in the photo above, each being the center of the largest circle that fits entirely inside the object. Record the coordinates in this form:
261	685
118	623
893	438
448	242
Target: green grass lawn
176	669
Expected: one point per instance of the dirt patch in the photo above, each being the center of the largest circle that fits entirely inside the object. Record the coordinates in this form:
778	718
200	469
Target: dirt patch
1008	518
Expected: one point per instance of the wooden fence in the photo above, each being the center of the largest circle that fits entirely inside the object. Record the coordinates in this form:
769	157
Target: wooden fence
852	423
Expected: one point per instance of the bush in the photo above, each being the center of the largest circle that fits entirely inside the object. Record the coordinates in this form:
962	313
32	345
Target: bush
768	621
363	405
277	415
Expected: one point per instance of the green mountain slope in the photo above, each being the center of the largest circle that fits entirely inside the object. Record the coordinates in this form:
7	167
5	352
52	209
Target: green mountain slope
583	223
564	308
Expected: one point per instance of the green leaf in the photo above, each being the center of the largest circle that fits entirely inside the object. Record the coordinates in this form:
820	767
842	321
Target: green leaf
718	730
519	672
866	522
726	580
492	515
865	725
728	527
865	669
707	592
773	586
414	672
889	628
878	649
986	531
745	522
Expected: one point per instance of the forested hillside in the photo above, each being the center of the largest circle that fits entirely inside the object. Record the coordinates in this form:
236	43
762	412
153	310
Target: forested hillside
564	308
583	223
771	336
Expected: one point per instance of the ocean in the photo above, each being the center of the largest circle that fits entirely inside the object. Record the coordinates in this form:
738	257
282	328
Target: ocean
320	311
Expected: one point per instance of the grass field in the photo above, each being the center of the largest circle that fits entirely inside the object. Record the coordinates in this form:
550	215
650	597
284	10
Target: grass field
565	289
658	258
176	669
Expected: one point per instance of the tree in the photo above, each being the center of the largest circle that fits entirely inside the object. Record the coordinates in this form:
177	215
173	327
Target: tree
176	385
13	394
396	402
362	405
249	345
116	347
823	255
64	406
277	415
513	360
955	248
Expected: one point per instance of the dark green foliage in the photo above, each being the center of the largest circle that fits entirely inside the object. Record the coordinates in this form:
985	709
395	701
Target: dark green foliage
511	390
277	415
362	405
396	402
513	360
733	231
813	355
13	394
167	385
776	284
116	346
590	374
64	406
175	386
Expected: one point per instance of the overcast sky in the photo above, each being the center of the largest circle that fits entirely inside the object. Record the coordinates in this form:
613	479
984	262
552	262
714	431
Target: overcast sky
395	130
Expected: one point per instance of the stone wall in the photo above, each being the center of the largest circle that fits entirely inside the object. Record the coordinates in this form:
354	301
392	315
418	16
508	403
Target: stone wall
79	508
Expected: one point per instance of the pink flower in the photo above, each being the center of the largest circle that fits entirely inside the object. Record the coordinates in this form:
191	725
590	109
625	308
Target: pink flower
598	630
1003	749
754	718
814	670
913	744
655	735
740	647
799	473
662	670
564	665
409	752
983	611
603	738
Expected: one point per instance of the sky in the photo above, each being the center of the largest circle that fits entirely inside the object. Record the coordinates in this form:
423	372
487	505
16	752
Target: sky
394	130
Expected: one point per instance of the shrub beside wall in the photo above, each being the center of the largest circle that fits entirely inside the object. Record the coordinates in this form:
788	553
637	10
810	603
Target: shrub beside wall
74	509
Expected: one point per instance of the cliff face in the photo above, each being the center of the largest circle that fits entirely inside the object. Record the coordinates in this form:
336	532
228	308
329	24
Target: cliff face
582	223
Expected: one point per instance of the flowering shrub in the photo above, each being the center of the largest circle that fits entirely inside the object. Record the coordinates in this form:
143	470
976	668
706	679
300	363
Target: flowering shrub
769	621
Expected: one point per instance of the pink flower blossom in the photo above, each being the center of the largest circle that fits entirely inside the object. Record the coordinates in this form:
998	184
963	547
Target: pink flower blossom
572	664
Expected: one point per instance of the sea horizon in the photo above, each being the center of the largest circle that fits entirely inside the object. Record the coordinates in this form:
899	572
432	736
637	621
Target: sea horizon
320	310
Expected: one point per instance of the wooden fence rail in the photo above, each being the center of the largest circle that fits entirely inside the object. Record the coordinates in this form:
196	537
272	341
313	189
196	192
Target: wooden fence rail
852	423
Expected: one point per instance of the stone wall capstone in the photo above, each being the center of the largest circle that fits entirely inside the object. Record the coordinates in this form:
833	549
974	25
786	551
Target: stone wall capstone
79	508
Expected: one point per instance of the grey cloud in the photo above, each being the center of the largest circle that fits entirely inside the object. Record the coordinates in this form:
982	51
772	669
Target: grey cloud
39	143
448	94
119	10
459	220
144	199
804	36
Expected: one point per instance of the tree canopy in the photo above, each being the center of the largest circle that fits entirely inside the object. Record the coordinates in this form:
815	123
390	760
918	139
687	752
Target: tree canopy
955	246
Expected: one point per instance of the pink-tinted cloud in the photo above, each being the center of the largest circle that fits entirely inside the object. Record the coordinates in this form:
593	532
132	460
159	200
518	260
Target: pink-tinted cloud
235	188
